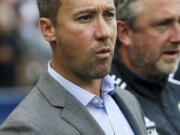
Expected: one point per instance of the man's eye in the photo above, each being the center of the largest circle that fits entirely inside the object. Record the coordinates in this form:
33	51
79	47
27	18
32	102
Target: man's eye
165	23
84	18
179	21
109	15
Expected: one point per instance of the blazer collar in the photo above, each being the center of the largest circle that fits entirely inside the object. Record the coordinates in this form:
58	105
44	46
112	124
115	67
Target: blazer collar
72	110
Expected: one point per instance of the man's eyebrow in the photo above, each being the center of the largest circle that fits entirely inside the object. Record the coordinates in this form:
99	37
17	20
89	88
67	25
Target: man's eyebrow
163	21
110	9
93	10
83	11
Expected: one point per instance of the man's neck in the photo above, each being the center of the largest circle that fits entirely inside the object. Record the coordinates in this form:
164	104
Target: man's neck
90	85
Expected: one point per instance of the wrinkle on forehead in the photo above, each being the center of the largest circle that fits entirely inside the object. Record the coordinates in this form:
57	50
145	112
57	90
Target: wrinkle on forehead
100	4
153	5
156	10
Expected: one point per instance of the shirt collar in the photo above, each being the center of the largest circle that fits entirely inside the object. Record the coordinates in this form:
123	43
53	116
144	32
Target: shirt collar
107	85
85	97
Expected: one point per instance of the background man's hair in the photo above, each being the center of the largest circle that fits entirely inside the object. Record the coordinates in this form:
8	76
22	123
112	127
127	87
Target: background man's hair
128	11
49	9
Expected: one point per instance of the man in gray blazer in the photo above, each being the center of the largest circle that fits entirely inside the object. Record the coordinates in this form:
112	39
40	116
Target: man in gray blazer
75	96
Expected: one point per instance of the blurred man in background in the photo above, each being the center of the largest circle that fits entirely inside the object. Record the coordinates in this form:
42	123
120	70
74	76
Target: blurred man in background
9	47
19	35
9	56
147	51
22	55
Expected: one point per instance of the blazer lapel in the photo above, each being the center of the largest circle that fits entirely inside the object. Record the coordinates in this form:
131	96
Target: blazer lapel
128	110
76	114
72	110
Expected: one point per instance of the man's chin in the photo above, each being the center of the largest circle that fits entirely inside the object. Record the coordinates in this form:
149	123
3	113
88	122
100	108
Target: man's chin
101	74
168	69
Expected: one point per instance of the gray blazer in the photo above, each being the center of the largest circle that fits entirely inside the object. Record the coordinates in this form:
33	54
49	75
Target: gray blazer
50	110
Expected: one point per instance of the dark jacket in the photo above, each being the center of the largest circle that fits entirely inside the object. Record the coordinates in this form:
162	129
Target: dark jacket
160	101
177	74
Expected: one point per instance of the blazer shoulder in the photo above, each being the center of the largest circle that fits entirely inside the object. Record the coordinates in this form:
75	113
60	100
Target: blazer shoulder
19	127
29	115
35	115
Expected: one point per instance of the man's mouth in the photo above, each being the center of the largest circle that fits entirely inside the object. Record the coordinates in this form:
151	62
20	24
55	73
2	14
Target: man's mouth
104	53
171	54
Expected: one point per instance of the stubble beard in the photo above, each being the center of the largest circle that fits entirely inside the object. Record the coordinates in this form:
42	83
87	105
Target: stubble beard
167	68
152	68
91	71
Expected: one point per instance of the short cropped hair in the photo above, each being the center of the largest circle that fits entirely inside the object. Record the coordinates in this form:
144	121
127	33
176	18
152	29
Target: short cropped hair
128	11
49	9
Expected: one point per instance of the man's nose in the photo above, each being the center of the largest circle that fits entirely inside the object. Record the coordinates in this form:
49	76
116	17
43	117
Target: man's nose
175	34
102	30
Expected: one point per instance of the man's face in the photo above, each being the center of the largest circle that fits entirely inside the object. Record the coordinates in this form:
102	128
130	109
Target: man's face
85	37
156	45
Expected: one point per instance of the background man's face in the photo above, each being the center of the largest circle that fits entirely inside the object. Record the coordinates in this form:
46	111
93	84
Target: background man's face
156	46
85	36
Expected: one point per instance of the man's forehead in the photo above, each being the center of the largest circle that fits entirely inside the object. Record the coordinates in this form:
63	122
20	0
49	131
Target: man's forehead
156	4
88	3
161	8
158	10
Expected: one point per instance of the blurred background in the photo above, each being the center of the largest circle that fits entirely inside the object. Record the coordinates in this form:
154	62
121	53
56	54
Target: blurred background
24	53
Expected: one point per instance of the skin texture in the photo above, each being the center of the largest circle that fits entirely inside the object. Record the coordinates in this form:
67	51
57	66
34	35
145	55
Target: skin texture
82	41
152	52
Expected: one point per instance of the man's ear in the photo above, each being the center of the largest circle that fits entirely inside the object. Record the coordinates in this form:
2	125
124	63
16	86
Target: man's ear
124	33
47	29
